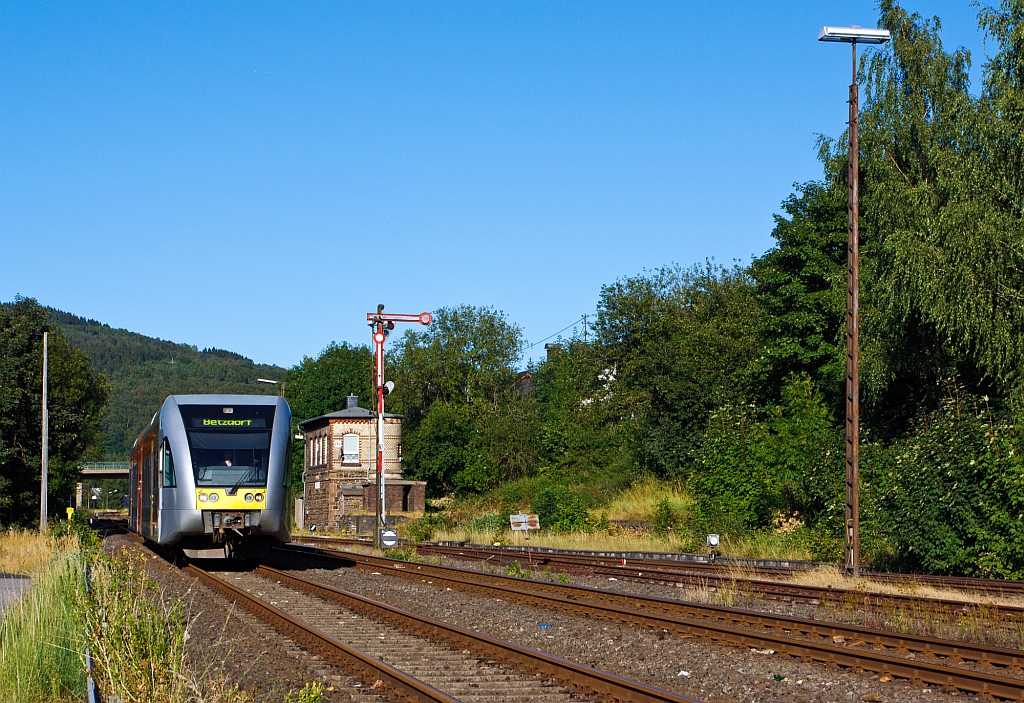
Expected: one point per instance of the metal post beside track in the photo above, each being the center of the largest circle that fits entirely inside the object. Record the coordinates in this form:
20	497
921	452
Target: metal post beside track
382	325
853	35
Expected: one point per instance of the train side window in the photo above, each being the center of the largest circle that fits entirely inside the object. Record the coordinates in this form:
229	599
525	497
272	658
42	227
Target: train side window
167	466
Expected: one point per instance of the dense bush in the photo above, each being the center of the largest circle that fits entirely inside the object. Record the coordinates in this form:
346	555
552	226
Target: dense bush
665	517
949	499
561	510
755	465
423	528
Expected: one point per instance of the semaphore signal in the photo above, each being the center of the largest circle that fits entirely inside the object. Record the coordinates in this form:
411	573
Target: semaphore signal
382	324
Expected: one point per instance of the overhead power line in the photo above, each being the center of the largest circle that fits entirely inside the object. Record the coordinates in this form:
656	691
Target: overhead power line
576	322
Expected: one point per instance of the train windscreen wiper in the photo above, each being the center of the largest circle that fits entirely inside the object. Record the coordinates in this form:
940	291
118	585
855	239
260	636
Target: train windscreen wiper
245	477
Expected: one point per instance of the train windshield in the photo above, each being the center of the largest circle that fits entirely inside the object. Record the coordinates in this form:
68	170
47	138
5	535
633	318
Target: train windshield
230	445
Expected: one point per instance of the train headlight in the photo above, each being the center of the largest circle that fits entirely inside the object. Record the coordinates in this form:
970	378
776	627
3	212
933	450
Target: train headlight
259	497
203	498
248	497
213	497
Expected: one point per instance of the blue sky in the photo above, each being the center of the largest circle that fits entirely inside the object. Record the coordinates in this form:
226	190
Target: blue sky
258	176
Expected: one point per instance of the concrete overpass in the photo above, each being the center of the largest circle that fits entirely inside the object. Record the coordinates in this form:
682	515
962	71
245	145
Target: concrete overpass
98	470
103	469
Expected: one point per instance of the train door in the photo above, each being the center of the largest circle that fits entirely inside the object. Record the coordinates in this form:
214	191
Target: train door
134	477
147	503
166	483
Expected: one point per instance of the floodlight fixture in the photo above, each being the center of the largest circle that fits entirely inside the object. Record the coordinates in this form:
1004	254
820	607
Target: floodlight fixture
855	35
279	384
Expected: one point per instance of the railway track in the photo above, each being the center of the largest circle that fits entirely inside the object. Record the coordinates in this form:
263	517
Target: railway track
661	572
980	669
774	590
411	657
544	557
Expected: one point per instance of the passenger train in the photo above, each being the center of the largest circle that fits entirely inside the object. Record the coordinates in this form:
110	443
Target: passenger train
209	475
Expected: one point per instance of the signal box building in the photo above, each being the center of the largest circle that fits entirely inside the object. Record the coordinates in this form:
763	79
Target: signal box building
341	467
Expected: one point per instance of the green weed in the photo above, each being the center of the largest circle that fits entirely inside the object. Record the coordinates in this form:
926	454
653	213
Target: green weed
516	569
312	692
400	553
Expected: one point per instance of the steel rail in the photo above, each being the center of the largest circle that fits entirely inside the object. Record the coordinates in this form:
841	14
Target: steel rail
579	676
369	669
777	589
969	583
695	565
775	632
931	646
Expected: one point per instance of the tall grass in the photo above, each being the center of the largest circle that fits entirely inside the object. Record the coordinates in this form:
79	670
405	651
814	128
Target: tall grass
28	551
639	501
42	635
138	640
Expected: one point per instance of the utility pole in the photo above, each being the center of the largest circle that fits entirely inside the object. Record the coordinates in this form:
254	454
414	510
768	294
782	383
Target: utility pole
46	436
584	331
853	329
382	325
853	35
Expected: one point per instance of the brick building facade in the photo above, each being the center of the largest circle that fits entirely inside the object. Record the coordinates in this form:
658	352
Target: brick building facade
341	467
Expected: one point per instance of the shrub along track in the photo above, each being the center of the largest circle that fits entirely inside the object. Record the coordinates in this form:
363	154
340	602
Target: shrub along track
860	648
342	607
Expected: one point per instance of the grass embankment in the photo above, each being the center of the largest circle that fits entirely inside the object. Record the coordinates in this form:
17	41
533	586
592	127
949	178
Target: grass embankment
136	637
648	516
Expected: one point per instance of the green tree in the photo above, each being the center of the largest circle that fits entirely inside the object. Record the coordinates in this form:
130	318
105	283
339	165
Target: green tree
143	371
77	396
455	383
504	445
949	498
676	344
467	355
436	450
800	287
319	386
580	425
561	510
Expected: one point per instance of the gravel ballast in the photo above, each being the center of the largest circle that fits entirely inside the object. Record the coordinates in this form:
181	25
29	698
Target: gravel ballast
689	666
231	644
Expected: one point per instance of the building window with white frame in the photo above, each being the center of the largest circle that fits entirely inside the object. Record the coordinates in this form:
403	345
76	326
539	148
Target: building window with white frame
350	449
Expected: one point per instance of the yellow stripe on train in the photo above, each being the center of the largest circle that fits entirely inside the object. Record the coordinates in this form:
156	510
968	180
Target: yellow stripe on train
218	498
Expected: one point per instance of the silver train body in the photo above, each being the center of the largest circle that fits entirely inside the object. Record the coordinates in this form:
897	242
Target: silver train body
210	474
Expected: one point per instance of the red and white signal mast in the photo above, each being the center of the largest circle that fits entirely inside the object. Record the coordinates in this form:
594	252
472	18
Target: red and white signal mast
382	325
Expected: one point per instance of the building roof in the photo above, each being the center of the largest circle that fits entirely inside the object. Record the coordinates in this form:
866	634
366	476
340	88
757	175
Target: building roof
348	414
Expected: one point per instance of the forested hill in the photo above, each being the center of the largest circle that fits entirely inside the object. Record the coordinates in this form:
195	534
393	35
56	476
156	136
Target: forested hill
143	371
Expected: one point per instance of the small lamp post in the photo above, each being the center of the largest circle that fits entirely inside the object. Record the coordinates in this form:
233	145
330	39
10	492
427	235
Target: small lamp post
713	542
279	384
853	36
